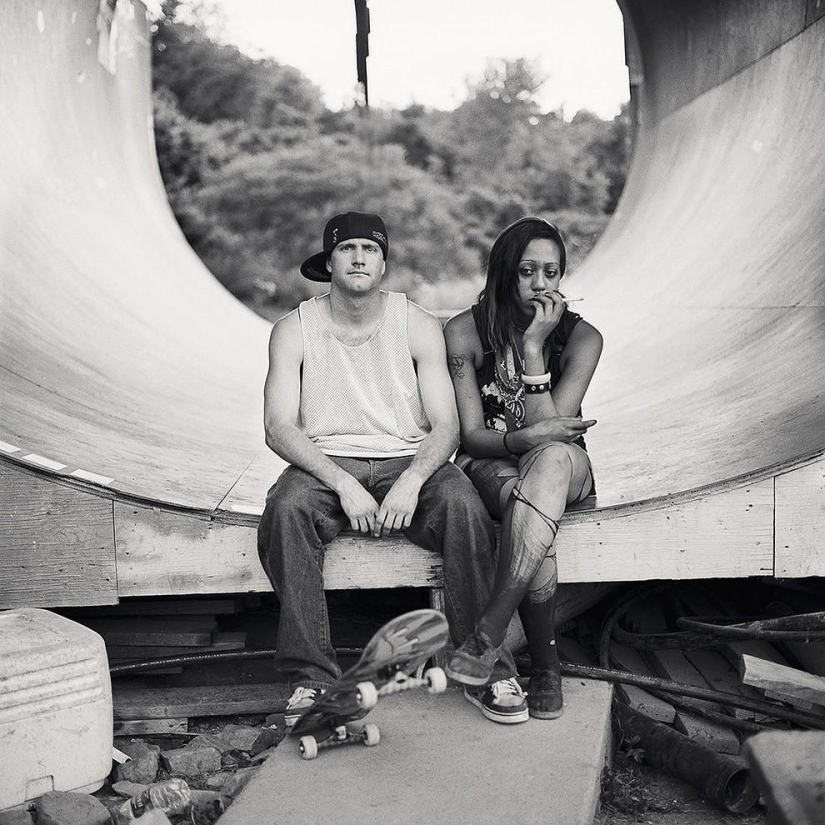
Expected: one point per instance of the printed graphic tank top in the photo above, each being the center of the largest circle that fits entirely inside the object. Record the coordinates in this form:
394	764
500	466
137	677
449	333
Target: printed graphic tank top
499	380
361	401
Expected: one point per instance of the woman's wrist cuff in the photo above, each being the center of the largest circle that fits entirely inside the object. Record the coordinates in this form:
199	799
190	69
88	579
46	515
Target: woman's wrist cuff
533	380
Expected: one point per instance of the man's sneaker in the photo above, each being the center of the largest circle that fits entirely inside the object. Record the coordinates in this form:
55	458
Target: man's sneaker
502	701
473	662
544	698
301	699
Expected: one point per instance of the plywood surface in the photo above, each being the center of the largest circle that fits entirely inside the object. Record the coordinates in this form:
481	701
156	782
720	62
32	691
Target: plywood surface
121	356
56	545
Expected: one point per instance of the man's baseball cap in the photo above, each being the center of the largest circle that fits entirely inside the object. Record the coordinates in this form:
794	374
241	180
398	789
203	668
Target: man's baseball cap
343	228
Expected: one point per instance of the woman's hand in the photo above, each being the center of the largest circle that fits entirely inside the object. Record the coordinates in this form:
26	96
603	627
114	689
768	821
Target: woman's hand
561	428
549	307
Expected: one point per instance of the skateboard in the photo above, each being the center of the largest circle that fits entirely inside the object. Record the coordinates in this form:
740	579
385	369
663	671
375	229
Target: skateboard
389	664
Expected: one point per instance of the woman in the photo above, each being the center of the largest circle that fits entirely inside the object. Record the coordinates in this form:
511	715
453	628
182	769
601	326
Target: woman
521	363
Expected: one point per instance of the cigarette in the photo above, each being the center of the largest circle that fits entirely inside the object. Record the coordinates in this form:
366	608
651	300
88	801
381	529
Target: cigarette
571	300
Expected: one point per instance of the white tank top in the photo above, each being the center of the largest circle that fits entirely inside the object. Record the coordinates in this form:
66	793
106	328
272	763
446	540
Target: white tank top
361	401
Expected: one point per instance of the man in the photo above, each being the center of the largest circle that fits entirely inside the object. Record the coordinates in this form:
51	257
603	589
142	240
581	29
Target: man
359	401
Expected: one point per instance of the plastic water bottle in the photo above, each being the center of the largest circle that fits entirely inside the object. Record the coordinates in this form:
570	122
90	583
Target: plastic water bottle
170	797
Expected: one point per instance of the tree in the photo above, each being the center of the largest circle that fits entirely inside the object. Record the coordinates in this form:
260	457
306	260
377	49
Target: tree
215	82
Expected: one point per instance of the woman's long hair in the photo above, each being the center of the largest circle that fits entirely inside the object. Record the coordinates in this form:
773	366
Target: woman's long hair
498	299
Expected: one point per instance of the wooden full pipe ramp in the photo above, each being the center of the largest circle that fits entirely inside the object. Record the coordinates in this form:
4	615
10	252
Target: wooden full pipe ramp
131	380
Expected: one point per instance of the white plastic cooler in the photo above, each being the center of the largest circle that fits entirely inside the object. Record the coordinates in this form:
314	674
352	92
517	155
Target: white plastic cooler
55	706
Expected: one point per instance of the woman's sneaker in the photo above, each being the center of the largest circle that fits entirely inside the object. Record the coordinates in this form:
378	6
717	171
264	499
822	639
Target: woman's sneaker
301	699
502	701
473	662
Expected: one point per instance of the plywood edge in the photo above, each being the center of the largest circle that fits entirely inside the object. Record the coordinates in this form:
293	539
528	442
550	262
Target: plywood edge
163	553
720	535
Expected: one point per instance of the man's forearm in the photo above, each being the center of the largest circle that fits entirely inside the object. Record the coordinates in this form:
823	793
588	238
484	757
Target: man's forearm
293	446
435	450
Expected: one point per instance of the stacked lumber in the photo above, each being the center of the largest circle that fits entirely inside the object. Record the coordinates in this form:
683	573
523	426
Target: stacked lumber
138	630
141	629
781	674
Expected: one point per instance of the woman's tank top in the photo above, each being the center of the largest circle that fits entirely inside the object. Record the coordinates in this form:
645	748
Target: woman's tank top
499	380
361	401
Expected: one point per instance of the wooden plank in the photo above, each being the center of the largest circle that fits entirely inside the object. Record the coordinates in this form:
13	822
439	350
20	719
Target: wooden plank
719	674
393	561
672	664
720	535
207	700
183	632
808	656
221	642
164	553
802	704
788	770
56	543
139	727
800	521
782	680
164	607
627	658
733	652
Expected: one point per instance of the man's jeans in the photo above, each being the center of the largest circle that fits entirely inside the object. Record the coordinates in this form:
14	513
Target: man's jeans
302	514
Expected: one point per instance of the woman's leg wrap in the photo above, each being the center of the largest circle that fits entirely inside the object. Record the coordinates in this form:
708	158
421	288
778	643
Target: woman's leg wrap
527	536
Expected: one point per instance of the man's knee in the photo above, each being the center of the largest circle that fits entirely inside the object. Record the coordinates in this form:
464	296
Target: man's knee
457	497
292	509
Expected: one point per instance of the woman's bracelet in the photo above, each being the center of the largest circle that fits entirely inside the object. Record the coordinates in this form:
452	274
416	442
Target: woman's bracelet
534	380
504	441
535	389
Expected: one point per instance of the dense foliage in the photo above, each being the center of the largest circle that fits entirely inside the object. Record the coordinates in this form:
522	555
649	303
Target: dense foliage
254	164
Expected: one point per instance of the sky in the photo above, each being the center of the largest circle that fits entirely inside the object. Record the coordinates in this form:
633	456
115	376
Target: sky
426	51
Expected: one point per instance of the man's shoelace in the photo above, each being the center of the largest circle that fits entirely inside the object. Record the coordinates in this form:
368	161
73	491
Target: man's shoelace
300	694
506	687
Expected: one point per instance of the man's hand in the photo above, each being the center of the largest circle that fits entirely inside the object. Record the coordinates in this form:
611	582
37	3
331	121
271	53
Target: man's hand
562	428
398	506
359	506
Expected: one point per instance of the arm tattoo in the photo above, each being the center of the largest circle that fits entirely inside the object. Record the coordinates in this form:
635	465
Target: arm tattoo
456	363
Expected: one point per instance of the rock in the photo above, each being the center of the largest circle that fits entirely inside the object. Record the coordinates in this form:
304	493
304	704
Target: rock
188	762
274	720
209	740
218	780
234	759
238	782
143	765
267	738
16	817
128	789
63	808
240	737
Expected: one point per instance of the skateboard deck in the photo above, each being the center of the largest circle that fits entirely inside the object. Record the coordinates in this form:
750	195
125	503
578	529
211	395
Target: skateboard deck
386	666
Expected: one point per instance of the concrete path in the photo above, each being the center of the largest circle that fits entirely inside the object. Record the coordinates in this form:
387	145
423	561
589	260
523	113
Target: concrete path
440	761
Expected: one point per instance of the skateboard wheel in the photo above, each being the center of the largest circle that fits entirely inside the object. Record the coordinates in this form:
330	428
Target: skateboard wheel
436	680
308	747
372	736
367	695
